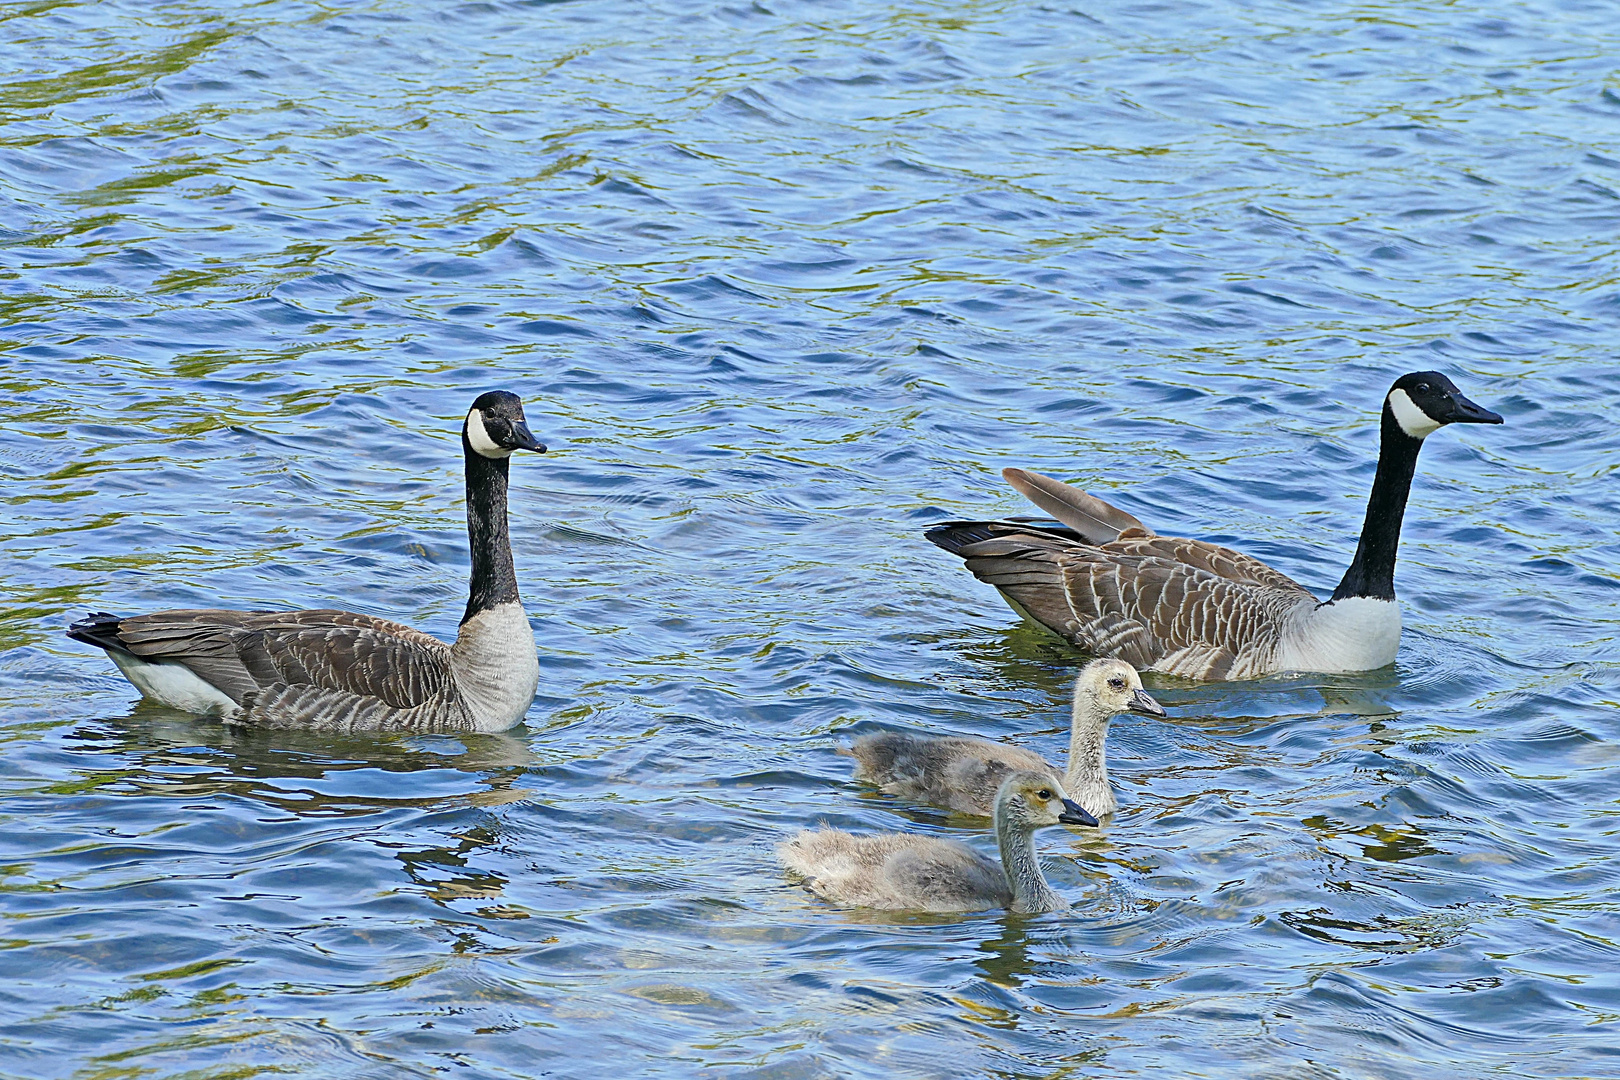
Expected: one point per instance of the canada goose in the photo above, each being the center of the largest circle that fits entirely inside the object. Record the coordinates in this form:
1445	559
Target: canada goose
964	774
338	671
1105	582
905	872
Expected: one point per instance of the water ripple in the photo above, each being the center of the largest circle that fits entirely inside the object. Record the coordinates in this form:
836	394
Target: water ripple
779	288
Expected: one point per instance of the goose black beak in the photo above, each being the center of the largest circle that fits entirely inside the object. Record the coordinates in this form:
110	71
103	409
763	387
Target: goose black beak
1075	814
1464	411
1142	702
523	438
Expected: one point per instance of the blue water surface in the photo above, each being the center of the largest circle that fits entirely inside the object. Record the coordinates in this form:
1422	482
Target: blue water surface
780	285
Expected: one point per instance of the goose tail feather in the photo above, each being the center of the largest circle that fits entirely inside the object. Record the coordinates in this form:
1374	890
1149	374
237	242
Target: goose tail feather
1096	521
99	629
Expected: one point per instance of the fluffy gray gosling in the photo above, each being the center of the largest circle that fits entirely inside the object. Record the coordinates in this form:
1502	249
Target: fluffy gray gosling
964	774
905	872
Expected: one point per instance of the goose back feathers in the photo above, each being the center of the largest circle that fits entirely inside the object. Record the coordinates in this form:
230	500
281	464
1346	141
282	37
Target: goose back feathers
1110	585
336	670
1184	607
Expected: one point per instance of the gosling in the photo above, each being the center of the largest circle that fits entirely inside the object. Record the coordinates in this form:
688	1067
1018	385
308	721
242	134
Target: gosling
904	872
964	774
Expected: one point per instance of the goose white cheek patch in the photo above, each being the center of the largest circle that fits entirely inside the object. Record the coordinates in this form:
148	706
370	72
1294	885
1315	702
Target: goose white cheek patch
479	439
1413	420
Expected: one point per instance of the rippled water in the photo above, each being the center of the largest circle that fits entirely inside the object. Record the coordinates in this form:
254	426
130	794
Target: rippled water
780	285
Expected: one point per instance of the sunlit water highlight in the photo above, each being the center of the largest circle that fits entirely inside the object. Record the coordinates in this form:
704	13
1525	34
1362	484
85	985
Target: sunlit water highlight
781	285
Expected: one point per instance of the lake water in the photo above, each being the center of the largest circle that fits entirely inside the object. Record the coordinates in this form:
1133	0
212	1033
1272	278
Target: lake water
781	285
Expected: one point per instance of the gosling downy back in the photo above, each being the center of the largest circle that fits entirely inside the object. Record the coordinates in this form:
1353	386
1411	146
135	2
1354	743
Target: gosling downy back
341	671
1107	583
903	872
964	774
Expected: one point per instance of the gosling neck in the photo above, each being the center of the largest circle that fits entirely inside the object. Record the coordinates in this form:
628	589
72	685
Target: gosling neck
1031	895
493	581
1086	779
1372	571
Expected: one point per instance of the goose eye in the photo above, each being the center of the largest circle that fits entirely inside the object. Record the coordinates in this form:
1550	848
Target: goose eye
1044	793
1423	388
1117	683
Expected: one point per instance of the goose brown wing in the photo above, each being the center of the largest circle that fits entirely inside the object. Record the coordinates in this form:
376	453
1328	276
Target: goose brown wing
1223	562
1111	528
1142	599
246	652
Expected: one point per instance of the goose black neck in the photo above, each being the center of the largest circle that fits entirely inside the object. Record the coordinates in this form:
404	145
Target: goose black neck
1372	572
494	581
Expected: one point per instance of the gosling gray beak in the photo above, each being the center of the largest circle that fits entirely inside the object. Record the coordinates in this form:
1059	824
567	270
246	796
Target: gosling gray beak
1142	702
1075	814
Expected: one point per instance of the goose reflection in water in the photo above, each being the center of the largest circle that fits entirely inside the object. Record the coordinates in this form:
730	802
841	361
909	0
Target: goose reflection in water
165	752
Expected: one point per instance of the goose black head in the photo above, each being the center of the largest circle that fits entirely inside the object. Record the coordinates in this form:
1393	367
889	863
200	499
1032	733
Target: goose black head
495	426
1422	402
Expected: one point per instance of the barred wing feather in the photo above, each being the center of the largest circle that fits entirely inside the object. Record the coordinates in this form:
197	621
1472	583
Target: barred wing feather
245	653
1179	606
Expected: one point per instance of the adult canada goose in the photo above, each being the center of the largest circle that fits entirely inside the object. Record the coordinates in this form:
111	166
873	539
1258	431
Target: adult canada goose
1105	582
338	671
904	872
964	774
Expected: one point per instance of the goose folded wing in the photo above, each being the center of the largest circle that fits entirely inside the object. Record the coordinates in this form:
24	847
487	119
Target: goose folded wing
1138	607
1033	571
204	640
1171	607
1223	562
967	538
244	653
365	661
